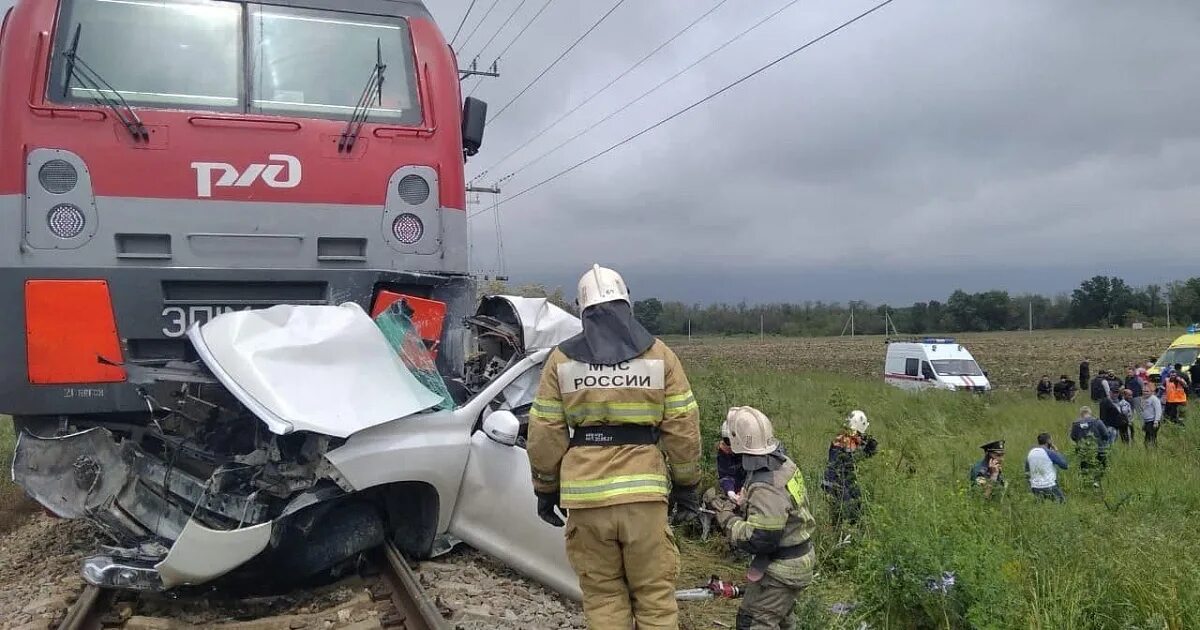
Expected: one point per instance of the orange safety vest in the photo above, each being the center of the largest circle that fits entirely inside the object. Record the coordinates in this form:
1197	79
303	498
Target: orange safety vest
1176	393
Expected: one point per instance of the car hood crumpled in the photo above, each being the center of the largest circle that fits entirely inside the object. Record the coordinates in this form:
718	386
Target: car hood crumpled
325	369
543	325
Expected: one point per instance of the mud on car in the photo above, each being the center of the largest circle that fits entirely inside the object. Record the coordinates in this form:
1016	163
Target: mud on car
301	436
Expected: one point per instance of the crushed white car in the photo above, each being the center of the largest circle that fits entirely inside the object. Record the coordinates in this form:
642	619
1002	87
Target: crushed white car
301	438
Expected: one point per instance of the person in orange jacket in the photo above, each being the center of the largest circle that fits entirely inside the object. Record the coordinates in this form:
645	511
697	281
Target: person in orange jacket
1176	397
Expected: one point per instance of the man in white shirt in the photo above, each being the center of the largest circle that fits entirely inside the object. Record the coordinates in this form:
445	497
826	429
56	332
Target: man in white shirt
1152	413
1041	465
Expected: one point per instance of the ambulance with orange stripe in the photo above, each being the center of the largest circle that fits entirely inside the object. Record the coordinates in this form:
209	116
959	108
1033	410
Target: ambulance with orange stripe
933	363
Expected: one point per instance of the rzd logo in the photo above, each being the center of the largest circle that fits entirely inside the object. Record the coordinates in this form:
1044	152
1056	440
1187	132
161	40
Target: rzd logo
268	173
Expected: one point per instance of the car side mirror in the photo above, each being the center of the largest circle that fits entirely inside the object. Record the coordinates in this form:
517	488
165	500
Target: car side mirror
474	119
502	426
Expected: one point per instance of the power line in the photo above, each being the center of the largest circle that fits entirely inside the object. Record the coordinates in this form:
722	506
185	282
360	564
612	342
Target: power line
652	90
514	41
694	105
555	62
501	29
479	23
464	21
607	85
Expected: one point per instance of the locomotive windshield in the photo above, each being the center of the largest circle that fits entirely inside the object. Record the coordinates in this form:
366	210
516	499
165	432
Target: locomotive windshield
225	56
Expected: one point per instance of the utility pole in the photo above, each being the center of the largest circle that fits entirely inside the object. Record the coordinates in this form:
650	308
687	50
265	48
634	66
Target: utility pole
1031	317
761	335
474	71
689	330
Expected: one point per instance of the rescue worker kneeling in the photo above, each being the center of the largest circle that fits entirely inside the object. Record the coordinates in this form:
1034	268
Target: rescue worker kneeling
627	402
777	528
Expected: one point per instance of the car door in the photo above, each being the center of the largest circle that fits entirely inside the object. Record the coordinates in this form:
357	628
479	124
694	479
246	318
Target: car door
496	510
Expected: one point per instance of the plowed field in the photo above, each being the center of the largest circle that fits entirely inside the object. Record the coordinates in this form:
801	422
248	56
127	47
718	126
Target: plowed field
1013	360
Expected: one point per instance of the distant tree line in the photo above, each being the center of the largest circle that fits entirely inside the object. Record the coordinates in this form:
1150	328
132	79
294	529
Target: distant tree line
1101	301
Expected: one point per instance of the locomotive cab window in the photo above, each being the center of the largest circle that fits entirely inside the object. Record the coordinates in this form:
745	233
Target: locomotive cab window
217	55
327	65
181	54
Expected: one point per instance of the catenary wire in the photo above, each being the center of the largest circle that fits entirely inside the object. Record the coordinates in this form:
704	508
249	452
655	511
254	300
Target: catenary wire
501	29
693	106
620	76
550	67
464	21
652	90
478	24
479	80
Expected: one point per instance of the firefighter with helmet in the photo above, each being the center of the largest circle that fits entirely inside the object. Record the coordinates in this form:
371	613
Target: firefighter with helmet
841	475
612	402
777	528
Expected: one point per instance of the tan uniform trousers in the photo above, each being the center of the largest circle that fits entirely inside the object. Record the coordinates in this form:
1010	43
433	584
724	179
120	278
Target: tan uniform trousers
767	605
627	562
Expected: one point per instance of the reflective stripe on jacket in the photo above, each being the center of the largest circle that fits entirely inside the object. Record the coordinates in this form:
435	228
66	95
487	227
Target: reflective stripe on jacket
777	516
650	390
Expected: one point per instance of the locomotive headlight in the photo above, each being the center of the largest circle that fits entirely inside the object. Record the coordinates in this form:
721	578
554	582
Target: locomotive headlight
58	176
408	228
66	220
414	190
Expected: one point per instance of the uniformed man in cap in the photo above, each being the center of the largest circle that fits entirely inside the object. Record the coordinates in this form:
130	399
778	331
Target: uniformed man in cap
988	473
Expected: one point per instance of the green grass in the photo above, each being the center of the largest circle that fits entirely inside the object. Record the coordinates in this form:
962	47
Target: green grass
1123	556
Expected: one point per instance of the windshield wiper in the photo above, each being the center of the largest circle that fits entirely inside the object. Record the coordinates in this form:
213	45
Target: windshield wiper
79	70
372	91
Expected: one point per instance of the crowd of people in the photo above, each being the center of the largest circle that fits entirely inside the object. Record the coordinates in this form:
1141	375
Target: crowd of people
1122	406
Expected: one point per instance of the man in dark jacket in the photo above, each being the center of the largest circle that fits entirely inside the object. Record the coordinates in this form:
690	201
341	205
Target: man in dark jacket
1064	389
1133	384
1112	416
1098	388
1045	389
730	474
1091	445
1085	374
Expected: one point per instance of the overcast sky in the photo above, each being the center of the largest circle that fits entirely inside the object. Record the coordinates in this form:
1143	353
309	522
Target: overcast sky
1017	144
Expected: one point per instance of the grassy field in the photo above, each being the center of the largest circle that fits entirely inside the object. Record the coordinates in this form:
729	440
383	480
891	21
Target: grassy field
1121	556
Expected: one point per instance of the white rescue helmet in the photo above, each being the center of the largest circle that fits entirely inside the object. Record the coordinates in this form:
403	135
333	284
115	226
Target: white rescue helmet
600	285
857	422
750	432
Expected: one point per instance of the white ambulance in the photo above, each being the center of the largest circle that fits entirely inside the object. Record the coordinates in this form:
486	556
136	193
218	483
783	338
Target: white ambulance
933	362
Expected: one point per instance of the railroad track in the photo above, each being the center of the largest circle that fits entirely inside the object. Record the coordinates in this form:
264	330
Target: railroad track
410	607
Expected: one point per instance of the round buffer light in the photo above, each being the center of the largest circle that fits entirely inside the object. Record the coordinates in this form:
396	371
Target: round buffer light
66	220
58	176
414	190
408	228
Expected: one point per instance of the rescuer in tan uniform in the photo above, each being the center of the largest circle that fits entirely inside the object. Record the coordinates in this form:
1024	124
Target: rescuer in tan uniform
777	528
613	435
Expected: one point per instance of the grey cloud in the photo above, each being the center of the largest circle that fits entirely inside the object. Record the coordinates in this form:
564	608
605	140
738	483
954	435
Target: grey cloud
932	140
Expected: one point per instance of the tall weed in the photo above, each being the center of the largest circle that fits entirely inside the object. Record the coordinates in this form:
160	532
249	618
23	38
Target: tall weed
1121	556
